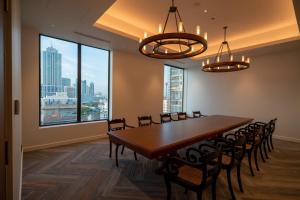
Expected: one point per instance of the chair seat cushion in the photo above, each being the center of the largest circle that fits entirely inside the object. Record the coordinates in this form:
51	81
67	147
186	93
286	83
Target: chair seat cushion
190	174
226	159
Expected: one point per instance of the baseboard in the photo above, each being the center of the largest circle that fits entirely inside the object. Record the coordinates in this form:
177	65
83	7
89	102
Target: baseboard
289	139
64	142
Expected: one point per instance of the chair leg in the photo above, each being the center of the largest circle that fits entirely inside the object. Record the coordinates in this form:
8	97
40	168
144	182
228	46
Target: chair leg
213	189
229	183
265	150
168	186
199	195
123	147
261	154
117	149
255	158
271	141
249	160
268	144
135	157
110	148
238	171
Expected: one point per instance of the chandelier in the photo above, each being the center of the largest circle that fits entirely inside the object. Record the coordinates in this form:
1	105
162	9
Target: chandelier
174	45
225	63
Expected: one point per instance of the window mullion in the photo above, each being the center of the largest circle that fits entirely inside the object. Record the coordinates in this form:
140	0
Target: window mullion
79	84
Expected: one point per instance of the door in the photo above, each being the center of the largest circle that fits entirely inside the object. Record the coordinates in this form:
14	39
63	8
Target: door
2	140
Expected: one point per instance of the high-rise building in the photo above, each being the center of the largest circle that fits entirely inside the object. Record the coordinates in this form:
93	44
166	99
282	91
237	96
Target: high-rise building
65	82
51	72
83	88
92	89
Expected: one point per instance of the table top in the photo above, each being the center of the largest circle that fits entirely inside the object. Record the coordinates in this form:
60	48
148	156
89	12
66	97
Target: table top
160	139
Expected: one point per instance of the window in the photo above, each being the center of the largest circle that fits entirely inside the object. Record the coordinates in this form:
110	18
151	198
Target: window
60	74
173	89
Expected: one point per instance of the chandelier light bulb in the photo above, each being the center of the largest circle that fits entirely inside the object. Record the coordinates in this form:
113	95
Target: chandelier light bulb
159	28
145	35
207	61
203	63
238	66
248	60
231	58
144	48
180	27
243	58
218	68
205	35
198	30
192	49
166	51
218	59
228	67
140	40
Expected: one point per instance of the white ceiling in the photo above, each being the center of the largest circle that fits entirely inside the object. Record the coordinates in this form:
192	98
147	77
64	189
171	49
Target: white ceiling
251	24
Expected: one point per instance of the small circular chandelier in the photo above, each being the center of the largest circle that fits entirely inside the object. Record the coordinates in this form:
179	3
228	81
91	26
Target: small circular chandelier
175	45
225	64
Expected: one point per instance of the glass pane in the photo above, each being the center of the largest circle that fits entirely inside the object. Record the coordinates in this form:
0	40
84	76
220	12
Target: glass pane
58	75
173	89
94	83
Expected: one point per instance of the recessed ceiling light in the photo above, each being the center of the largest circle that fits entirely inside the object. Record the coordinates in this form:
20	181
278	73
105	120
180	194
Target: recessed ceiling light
205	11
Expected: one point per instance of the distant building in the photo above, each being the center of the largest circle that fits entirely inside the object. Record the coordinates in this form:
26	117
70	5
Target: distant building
92	89
71	91
66	82
51	72
83	88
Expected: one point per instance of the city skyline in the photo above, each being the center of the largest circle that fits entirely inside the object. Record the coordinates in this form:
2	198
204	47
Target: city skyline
94	62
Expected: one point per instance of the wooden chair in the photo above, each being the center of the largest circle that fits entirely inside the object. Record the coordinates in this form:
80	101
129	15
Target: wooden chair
198	114
115	125
182	116
165	118
234	148
254	134
146	121
195	172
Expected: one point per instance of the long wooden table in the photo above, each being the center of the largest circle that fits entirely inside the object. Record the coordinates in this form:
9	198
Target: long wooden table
161	139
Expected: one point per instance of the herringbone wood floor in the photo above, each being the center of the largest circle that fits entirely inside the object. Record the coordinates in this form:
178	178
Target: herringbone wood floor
84	171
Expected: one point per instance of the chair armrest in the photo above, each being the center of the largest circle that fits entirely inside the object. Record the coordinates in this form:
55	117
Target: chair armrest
180	161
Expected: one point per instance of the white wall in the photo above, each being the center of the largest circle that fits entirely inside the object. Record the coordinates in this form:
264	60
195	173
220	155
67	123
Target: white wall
136	89
270	88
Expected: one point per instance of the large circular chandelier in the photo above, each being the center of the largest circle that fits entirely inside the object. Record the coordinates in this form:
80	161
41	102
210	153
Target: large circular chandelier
225	63
175	45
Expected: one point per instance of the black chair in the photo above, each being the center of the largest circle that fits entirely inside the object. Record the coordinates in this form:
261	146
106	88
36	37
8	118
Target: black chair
146	121
181	116
115	125
165	118
270	128
234	148
254	134
195	172
198	114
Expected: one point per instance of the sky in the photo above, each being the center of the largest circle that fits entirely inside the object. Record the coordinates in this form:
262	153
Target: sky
94	65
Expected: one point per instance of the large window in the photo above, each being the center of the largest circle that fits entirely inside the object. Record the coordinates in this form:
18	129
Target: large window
173	89
64	66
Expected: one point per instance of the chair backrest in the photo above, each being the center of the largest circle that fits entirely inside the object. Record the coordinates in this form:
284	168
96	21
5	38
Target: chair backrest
145	120
273	123
197	114
182	115
116	124
165	118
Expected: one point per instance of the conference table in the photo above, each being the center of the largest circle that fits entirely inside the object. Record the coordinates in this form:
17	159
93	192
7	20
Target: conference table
158	140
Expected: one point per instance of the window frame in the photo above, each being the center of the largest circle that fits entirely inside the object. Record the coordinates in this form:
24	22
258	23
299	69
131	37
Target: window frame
78	120
183	88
